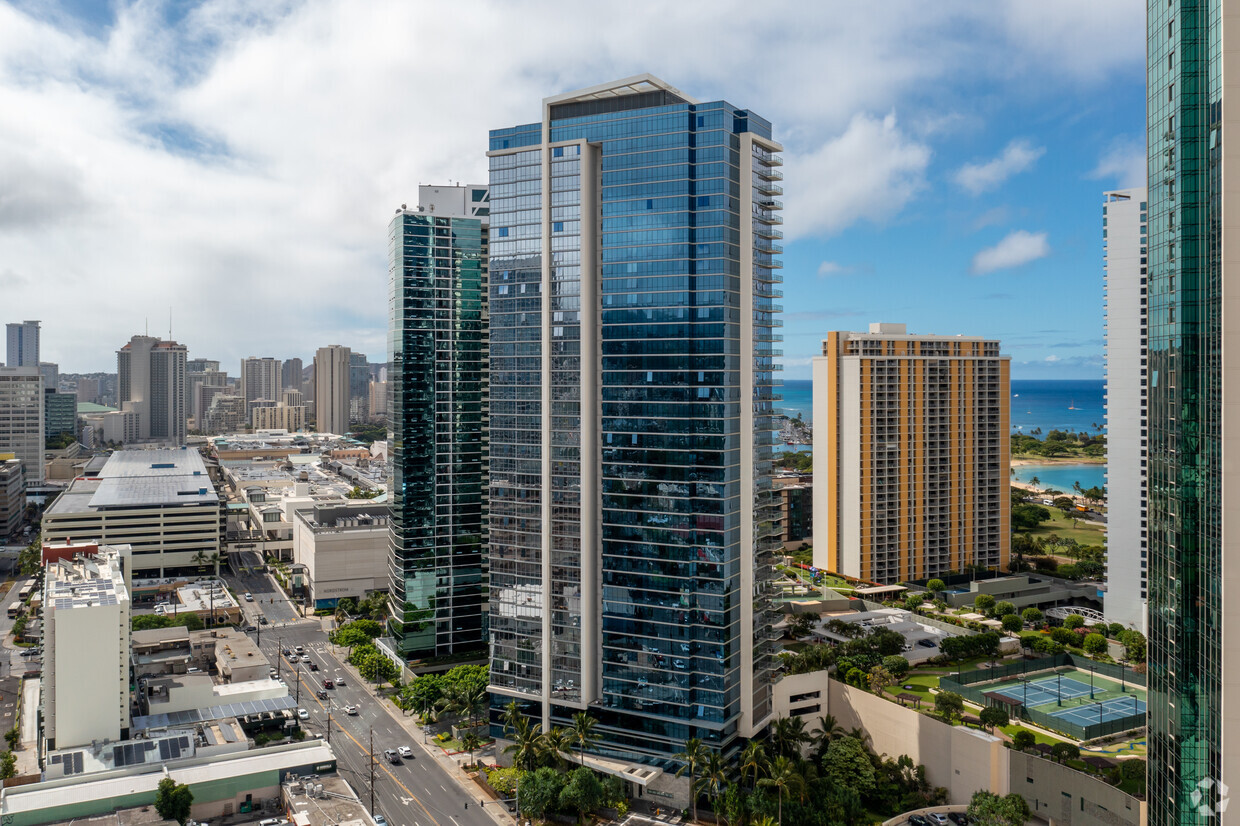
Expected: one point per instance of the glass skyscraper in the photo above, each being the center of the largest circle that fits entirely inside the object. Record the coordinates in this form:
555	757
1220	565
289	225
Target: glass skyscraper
437	399
634	244
1193	423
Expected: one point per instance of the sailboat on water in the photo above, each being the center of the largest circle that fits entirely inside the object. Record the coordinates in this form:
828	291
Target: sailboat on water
1072	404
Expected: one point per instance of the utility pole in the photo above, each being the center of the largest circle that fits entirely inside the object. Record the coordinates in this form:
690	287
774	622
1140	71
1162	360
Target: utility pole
329	722
372	772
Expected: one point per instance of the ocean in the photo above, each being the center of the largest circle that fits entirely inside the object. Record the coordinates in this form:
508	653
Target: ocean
1046	404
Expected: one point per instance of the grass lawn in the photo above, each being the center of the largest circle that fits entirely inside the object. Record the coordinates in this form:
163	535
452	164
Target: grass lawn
1085	532
921	682
1039	737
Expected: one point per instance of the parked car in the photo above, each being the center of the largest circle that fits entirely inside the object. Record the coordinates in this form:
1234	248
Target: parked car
917	820
959	818
302	714
405	751
926	643
392	757
937	818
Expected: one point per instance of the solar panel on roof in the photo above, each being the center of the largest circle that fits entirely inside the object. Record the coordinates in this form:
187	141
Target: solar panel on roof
77	762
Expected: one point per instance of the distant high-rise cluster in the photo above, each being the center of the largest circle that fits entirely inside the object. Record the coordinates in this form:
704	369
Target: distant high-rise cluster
23	344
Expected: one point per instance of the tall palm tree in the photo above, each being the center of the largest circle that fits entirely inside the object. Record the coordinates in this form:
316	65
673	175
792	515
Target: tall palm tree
788	736
785	778
583	733
1035	481
753	759
556	742
471	741
692	757
527	744
828	729
512	713
713	781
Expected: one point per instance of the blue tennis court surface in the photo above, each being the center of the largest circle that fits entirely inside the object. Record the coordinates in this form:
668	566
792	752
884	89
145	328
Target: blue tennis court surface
1117	708
1046	690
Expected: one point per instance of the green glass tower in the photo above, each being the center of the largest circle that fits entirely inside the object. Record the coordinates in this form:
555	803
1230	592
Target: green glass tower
437	257
1194	739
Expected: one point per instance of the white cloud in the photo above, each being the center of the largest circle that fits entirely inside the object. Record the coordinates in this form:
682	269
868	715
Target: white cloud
240	164
1018	156
869	173
1017	248
1052	358
832	268
1124	163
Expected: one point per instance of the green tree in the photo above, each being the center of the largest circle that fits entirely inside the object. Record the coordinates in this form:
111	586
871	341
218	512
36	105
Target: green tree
879	678
1002	609
423	692
1048	646
714	781
1133	770
800	625
471	742
1028	517
1063	752
173	800
1032	616
8	765
583	733
692	758
984	603
1023	739
540	792
754	760
936	587
1134	645
1064	503
1012	623
897	666
349	635
847	762
376	667
989	809
556	743
949	705
913	601
1095	644
527	745
1073	621
788	736
582	794
993	716
784	778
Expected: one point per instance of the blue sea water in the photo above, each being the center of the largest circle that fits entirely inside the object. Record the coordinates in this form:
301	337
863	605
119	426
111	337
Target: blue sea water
1061	477
1047	404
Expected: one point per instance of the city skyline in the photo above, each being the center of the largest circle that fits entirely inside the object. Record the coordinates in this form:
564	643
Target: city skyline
962	192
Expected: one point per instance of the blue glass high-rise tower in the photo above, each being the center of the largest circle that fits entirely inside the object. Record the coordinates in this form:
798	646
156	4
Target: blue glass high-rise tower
437	257
634	243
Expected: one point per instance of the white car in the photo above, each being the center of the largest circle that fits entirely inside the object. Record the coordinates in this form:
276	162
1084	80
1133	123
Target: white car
249	597
303	714
272	821
380	820
340	681
350	709
305	658
405	751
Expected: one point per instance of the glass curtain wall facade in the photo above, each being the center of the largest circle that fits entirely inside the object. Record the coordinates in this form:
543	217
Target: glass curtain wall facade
632	322
1189	734
437	395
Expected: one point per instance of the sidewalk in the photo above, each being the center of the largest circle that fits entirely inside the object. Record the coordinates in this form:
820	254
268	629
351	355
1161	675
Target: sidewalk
453	765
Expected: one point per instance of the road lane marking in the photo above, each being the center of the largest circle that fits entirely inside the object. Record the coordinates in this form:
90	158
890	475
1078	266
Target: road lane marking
386	770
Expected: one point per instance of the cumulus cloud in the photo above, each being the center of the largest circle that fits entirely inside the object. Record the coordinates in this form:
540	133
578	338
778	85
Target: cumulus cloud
832	268
1017	248
868	173
1018	156
1123	162
253	152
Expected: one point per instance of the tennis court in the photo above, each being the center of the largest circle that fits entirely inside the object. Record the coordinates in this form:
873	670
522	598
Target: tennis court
1117	708
1046	690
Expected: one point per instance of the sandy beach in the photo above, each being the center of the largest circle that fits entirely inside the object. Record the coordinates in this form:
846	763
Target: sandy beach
1058	460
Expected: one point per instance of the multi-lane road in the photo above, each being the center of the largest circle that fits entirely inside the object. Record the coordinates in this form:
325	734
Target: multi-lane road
418	791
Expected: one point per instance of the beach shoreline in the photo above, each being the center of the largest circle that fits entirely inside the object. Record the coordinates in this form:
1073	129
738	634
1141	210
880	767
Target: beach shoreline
1058	460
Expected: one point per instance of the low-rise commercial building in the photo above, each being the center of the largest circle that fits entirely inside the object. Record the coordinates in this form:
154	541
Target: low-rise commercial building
795	494
161	502
279	417
344	547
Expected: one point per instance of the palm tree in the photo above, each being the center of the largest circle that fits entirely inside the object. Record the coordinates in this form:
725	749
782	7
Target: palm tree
471	741
512	713
858	733
214	559
714	779
693	756
784	777
753	759
199	558
764	820
788	736
556	742
828	729
583	733
1035	481
527	744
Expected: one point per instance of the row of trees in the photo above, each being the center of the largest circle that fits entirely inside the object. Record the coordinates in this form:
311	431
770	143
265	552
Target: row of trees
461	691
371	663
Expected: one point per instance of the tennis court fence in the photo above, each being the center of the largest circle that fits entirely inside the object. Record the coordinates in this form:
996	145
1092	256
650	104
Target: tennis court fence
1119	673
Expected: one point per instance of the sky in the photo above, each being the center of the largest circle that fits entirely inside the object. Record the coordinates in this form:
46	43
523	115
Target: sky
234	165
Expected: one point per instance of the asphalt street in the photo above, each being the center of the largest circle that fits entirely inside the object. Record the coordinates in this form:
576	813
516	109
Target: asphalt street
418	791
251	578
